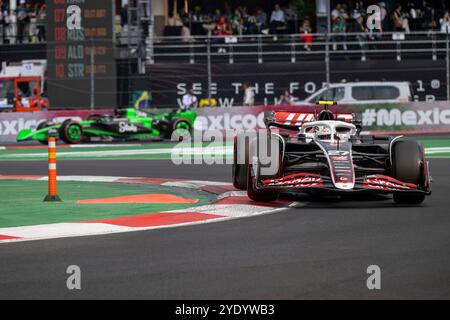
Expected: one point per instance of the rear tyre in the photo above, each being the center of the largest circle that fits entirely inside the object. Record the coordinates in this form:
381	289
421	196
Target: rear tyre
407	166
182	129
71	132
264	195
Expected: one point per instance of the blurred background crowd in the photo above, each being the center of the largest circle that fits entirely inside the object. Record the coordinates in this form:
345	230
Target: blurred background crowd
26	23
23	24
298	16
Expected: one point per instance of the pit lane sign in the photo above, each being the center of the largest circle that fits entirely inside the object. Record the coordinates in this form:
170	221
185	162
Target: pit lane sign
78	29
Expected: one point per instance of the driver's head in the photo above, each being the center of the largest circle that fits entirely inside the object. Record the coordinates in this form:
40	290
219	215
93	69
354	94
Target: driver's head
323	132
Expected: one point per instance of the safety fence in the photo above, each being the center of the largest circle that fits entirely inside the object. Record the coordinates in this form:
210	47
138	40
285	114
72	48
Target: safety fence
291	47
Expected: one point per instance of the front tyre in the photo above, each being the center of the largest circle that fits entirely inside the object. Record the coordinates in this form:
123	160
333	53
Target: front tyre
40	126
239	169
71	132
266	194
408	166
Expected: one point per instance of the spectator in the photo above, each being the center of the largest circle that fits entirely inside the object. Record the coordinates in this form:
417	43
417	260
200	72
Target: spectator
359	27
429	19
290	12
33	31
277	19
124	15
414	16
399	21
336	12
243	11
217	15
291	17
305	33
22	16
29	29
384	22
237	22
124	30
3	17
40	23
360	7
186	34
339	28
343	12
249	95
251	25
286	99
445	23
222	28
261	19
189	101
11	26
176	21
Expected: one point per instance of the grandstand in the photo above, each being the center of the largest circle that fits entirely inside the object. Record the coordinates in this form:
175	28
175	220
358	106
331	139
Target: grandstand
208	39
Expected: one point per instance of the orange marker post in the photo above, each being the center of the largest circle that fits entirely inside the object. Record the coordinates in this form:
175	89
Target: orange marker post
52	194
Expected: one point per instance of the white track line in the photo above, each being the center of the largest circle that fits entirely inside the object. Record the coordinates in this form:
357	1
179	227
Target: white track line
437	150
177	152
105	145
85	178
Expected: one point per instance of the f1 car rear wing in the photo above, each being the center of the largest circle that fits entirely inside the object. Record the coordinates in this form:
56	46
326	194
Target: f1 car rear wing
294	120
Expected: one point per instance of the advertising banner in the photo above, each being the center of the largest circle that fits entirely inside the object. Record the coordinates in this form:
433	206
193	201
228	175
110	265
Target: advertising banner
412	118
409	118
168	82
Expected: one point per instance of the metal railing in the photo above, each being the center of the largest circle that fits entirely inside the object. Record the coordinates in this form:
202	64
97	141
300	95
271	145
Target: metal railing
258	47
263	47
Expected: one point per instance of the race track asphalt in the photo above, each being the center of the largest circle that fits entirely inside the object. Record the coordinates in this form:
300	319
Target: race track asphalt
318	250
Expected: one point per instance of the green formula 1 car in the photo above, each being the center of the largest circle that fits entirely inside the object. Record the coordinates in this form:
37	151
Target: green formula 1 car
126	124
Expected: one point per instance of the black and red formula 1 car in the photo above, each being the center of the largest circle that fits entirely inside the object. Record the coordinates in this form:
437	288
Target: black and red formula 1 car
328	155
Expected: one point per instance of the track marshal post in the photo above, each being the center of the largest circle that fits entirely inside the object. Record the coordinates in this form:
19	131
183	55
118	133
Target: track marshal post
52	193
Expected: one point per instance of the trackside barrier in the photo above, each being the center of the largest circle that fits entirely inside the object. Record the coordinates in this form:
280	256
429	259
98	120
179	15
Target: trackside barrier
409	118
52	192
